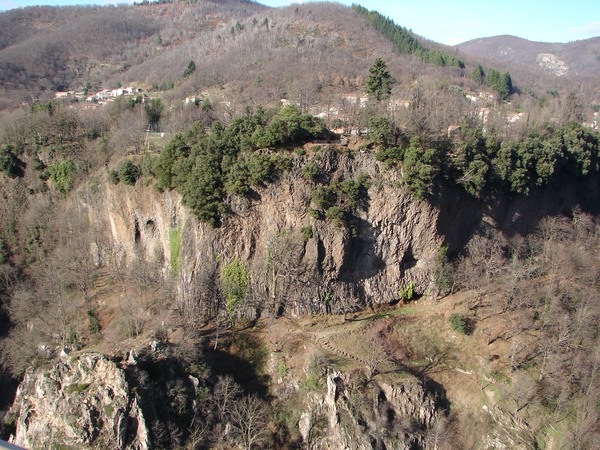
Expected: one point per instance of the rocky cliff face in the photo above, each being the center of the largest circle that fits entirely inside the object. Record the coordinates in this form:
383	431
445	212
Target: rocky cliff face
383	415
87	402
391	242
80	402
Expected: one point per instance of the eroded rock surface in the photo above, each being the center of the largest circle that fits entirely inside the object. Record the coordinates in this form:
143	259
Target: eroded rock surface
377	415
80	402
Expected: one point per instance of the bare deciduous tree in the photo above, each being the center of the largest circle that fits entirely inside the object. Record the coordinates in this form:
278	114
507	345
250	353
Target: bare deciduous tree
439	434
249	418
225	394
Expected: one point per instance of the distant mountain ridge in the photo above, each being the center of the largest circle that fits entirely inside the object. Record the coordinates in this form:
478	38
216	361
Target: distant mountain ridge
305	52
573	60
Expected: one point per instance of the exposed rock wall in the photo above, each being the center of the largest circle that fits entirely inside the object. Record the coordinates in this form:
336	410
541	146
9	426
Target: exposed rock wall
81	402
389	243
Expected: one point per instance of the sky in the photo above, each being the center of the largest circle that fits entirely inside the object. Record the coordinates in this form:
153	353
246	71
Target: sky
452	22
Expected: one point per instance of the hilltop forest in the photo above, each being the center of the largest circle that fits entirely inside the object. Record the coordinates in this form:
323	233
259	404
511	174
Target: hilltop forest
225	225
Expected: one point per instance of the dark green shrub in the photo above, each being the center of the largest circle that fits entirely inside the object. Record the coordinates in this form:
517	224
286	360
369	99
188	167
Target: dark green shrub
458	323
316	214
336	214
390	156
380	131
261	169
324	197
238	179
9	163
129	173
62	175
147	168
354	191
310	171
93	322
307	233
113	176
420	168
289	127
190	69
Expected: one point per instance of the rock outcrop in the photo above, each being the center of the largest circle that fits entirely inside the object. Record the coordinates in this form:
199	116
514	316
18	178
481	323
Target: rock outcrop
378	416
80	402
390	242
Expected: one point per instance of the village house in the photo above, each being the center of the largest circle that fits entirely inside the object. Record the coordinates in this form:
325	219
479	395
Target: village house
514	117
111	94
332	112
356	99
192	100
487	96
398	103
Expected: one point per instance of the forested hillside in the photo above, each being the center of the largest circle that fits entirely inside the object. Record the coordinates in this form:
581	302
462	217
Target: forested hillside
224	225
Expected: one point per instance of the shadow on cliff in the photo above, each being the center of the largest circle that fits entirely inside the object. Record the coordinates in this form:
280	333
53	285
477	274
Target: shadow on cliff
462	216
360	261
165	392
243	357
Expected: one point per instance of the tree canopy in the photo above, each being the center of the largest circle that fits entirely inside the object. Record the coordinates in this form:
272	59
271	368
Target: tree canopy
403	39
501	82
481	164
206	166
379	83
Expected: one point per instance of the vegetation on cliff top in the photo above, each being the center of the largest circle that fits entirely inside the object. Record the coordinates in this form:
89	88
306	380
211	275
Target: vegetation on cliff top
204	166
232	159
481	164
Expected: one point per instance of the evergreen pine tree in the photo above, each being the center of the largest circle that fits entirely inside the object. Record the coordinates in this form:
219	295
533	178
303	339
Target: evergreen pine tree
380	81
478	74
190	69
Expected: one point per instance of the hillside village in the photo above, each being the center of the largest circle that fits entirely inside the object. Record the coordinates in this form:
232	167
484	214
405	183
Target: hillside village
338	115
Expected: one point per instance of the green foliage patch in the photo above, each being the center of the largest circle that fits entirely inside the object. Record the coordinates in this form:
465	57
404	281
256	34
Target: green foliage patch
129	173
307	233
379	83
501	82
407	292
234	284
204	166
62	175
338	200
175	248
481	164
77	388
458	323
404	40
93	322
9	163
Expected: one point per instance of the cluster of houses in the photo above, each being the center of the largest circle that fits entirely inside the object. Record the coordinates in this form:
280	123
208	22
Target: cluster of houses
354	99
101	97
111	94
